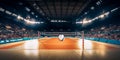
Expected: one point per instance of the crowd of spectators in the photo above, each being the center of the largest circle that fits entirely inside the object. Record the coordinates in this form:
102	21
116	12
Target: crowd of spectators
11	31
108	32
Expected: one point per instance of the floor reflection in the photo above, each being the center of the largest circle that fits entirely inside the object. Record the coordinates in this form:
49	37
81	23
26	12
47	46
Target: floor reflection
33	53
92	48
87	44
32	44
31	48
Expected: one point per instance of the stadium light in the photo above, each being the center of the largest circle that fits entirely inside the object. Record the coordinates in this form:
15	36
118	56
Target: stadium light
8	12
78	22
31	22
2	10
99	2
41	22
19	17
90	21
114	9
13	14
58	21
27	19
107	13
92	8
27	9
36	16
84	21
86	13
34	4
101	16
32	13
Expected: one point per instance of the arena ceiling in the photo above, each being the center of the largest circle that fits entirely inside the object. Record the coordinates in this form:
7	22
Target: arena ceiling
59	9
67	10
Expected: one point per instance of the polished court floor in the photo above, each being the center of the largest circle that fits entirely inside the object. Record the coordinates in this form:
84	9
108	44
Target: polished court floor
54	49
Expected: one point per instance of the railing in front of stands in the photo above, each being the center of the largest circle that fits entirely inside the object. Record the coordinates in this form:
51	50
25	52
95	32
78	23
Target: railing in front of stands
117	42
16	40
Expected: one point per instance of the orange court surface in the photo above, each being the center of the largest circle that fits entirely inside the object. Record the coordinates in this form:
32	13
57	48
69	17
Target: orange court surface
50	48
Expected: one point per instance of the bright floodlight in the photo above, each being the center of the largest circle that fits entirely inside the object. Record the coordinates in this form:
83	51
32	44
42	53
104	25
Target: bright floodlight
31	22
101	16
85	21
19	17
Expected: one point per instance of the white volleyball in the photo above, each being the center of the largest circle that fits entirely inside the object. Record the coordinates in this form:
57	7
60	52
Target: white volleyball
61	37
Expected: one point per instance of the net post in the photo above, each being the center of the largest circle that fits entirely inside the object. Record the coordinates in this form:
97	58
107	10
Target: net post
83	40
38	34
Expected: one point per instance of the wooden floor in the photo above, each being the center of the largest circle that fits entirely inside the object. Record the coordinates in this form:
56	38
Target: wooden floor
54	49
